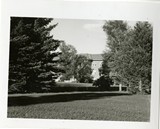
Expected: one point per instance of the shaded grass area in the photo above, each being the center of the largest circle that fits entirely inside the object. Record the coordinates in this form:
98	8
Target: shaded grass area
80	105
28	99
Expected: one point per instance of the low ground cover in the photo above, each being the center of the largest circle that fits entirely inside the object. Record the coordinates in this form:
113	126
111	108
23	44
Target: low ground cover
113	106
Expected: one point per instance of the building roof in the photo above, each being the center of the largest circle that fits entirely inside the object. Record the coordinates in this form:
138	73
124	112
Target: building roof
94	57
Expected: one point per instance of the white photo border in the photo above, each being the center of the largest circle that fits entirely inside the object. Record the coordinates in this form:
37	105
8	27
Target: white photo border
103	10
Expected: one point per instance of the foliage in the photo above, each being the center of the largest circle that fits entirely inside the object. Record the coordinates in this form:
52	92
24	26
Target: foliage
67	60
105	69
104	83
75	66
130	53
82	69
32	49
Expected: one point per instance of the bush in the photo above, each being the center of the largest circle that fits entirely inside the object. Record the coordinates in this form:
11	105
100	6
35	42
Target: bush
17	87
103	83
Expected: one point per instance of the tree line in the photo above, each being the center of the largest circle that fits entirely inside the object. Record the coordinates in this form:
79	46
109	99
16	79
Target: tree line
33	51
33	66
76	66
128	54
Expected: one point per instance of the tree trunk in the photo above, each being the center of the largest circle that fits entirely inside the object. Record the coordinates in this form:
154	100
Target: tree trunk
140	85
120	87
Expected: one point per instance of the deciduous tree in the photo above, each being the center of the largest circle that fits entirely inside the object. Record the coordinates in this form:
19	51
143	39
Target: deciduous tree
130	53
67	59
83	69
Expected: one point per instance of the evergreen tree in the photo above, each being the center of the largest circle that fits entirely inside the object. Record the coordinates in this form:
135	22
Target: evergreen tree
141	54
31	65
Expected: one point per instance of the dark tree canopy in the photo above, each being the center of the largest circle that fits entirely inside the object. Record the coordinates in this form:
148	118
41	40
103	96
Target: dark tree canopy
31	65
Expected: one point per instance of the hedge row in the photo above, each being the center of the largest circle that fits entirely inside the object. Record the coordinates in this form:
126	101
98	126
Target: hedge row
69	87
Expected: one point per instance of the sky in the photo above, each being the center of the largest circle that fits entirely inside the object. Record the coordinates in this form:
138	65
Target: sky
87	36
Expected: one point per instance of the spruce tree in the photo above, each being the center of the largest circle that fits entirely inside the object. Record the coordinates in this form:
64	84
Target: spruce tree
141	54
32	66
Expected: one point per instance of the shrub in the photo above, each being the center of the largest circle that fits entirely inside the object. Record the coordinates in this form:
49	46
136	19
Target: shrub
103	83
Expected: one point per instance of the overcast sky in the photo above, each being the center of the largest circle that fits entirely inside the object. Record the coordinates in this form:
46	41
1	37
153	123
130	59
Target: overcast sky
87	36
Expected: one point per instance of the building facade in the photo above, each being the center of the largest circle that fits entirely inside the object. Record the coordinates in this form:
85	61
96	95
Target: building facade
96	63
96	60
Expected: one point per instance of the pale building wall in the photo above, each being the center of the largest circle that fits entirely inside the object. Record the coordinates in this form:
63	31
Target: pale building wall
96	63
95	67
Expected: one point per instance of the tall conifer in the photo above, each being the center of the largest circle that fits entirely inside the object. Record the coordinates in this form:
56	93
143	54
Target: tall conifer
32	65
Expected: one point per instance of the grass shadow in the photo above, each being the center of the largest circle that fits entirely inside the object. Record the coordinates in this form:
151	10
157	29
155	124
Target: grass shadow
24	100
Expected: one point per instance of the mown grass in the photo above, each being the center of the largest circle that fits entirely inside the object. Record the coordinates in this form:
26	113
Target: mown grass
81	105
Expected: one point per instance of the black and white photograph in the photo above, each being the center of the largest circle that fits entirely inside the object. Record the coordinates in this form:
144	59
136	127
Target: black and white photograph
79	64
80	69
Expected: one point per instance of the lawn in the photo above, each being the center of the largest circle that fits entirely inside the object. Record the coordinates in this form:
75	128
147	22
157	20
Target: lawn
113	106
